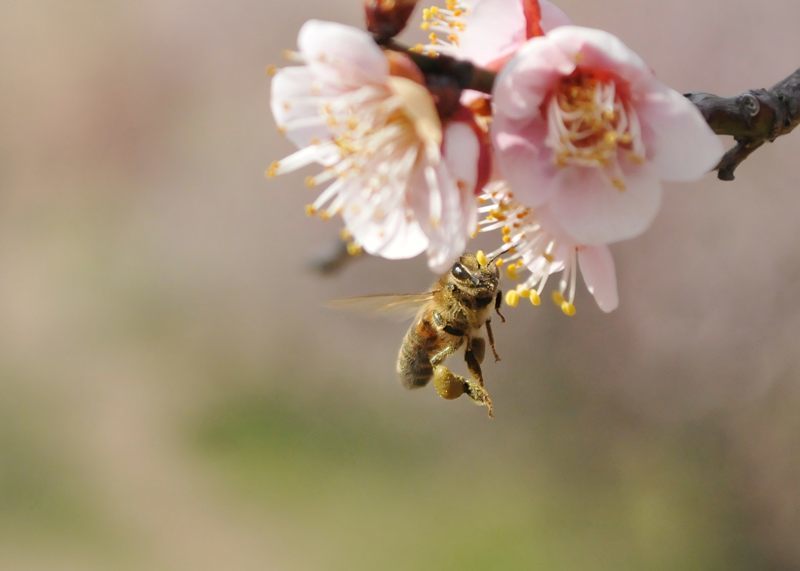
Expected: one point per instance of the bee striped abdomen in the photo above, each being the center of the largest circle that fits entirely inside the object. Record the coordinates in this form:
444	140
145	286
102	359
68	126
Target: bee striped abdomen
413	362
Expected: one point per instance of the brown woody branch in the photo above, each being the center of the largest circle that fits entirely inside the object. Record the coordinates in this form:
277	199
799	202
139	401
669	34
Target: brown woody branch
752	118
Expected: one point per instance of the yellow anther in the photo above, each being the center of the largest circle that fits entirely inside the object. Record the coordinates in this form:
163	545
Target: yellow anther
271	70
535	298
512	298
618	183
434	11
506	239
568	308
511	271
481	257
610	138
311	210
558	298
548	257
272	170
425	26
417	49
311	182
506	230
432	37
354	249
499	262
524	292
324	215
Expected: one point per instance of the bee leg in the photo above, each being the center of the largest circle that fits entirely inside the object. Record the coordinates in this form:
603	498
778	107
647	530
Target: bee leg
498	301
475	389
491	340
451	386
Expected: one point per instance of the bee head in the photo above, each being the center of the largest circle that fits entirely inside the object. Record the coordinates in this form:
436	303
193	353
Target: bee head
474	273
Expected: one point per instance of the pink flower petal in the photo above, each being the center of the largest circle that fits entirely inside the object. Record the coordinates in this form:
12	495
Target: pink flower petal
340	55
593	211
526	81
496	29
600	51
529	169
552	16
680	142
597	269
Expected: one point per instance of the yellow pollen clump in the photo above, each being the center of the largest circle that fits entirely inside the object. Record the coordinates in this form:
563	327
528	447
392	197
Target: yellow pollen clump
512	298
568	308
272	170
354	249
481	257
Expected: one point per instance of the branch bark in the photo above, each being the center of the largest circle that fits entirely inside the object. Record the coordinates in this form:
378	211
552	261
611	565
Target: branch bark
752	118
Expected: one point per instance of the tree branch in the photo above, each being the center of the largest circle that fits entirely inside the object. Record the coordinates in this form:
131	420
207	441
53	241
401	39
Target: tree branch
752	118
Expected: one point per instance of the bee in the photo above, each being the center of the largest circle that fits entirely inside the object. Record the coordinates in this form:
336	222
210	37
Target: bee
448	317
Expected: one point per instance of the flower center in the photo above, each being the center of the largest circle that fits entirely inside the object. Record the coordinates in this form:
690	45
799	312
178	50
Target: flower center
528	247
591	125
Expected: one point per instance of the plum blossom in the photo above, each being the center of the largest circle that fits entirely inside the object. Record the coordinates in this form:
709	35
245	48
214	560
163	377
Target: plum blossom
487	32
533	244
583	127
402	181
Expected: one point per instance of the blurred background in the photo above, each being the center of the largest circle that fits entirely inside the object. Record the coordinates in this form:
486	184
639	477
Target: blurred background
174	395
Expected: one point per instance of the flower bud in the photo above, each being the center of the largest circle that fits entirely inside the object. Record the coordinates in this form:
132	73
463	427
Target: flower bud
387	18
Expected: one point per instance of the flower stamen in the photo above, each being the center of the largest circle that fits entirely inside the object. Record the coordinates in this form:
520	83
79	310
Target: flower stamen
591	125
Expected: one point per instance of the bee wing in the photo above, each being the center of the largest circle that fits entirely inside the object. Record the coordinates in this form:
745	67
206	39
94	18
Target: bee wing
403	306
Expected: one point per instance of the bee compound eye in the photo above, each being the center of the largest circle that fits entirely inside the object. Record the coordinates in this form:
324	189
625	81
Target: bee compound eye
459	272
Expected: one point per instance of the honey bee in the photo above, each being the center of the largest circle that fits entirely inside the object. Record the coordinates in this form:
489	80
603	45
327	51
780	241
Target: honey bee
449	316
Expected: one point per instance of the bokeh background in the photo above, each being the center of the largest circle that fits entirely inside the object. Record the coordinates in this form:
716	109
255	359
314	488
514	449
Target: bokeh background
174	395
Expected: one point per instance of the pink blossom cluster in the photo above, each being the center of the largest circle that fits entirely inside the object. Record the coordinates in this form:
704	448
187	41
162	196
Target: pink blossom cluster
564	157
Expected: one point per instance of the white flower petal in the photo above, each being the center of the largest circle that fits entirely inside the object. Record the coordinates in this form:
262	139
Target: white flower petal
597	269
680	142
295	109
593	211
341	55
